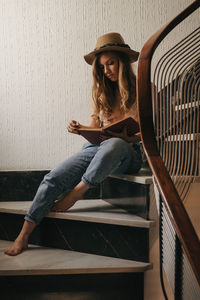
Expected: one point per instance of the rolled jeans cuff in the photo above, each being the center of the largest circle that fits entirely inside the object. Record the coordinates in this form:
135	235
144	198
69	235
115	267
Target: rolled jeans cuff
27	218
90	185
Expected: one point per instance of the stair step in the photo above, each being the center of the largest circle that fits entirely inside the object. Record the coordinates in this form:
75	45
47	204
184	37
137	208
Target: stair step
97	210
144	176
187	105
182	137
50	261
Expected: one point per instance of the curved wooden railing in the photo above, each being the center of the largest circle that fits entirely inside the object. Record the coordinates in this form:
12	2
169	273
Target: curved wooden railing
174	207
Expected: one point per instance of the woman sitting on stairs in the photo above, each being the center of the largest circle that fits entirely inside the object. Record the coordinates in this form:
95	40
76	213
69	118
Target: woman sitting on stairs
114	97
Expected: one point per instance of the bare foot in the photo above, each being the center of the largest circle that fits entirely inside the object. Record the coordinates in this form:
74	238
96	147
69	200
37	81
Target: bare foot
17	247
76	194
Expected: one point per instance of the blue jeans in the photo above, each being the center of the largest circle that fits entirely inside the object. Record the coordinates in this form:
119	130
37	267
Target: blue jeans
91	165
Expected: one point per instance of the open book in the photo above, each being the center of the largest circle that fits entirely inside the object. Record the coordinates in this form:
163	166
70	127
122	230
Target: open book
93	135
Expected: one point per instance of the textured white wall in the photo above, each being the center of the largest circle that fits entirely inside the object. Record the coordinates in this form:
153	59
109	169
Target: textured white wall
44	81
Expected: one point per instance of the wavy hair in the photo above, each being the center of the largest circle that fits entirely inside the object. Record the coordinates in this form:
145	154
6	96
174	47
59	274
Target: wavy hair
103	89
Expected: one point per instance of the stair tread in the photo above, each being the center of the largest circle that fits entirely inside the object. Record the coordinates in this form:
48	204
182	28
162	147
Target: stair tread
51	261
96	210
186	105
183	137
144	176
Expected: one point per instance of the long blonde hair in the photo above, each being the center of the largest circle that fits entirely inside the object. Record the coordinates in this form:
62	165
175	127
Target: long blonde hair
103	89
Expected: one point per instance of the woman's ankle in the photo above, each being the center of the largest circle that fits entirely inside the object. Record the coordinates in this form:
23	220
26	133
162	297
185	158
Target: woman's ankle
80	188
23	236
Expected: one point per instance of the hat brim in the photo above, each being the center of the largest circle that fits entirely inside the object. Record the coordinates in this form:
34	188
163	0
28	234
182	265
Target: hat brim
133	55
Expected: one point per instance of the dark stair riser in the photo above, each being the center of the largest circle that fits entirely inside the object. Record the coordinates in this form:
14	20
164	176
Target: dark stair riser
133	197
23	185
86	286
95	238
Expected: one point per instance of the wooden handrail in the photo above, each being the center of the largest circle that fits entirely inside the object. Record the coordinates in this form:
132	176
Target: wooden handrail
177	213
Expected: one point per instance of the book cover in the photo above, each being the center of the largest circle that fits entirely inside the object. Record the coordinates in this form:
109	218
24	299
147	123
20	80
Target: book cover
93	135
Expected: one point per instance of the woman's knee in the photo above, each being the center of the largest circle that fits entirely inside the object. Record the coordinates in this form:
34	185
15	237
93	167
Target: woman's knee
115	143
115	146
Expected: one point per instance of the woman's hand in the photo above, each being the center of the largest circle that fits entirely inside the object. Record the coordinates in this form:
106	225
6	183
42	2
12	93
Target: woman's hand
73	126
124	135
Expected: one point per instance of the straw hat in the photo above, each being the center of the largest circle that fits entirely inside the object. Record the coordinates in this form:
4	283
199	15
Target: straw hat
112	41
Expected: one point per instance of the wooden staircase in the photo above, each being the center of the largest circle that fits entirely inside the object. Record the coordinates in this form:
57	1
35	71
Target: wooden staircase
99	249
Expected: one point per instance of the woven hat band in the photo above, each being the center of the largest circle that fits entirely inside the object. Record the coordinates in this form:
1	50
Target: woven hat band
112	44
